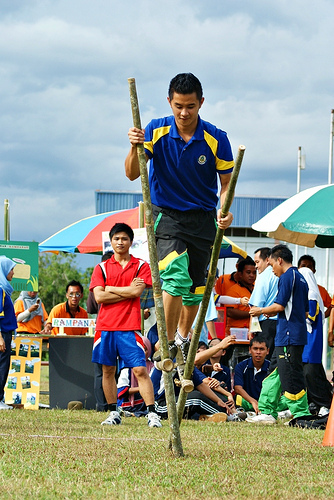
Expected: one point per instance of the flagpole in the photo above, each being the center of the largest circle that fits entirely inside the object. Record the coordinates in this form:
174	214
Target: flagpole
330	172
300	167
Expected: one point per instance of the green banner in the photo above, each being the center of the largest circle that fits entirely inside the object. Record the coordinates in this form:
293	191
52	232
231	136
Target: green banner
25	254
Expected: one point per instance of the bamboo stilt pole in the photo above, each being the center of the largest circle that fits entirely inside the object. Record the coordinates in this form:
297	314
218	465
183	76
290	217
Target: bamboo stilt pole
189	367
176	444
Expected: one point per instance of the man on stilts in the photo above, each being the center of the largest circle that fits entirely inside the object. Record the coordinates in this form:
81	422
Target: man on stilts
186	154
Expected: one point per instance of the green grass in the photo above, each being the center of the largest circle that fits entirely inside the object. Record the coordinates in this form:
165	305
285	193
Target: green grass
50	454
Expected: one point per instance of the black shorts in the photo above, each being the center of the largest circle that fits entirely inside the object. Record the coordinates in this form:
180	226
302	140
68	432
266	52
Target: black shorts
192	231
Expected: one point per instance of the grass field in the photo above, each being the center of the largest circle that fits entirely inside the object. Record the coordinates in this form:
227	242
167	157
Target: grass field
50	454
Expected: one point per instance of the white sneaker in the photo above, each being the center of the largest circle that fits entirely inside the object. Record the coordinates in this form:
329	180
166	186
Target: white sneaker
323	411
251	414
153	420
3	406
114	418
261	419
234	417
284	414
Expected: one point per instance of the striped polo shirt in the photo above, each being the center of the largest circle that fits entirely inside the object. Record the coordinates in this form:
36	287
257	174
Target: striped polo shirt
183	176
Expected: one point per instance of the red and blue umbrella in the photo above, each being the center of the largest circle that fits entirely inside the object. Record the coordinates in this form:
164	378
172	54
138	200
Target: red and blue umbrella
85	235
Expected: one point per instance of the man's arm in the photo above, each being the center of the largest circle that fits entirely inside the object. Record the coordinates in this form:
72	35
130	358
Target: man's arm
205	389
330	329
203	356
136	136
235	313
224	223
267	311
113	294
241	391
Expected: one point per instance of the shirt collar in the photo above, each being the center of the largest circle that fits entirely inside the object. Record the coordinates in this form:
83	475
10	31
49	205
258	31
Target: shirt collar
198	135
68	310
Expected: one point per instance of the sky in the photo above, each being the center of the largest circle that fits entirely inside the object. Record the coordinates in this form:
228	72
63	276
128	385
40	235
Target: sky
266	70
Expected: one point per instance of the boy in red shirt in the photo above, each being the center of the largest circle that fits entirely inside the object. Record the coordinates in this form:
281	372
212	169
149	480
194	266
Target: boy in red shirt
117	285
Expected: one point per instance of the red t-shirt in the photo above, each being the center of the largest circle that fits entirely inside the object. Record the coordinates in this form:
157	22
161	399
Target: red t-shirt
123	315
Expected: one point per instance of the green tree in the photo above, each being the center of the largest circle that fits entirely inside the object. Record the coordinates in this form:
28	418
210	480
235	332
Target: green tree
55	271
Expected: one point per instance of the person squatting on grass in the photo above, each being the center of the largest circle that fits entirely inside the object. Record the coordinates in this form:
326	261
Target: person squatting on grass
186	154
117	284
8	323
286	367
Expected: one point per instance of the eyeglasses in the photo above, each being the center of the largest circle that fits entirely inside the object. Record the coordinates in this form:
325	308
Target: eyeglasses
77	294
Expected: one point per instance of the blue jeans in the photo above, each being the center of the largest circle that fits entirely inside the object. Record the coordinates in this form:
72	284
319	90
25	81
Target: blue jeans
5	362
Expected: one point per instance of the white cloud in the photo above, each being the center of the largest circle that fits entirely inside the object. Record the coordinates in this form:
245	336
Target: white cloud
265	70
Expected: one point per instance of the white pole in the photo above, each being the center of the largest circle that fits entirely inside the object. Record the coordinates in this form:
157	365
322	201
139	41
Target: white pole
299	168
330	165
330	171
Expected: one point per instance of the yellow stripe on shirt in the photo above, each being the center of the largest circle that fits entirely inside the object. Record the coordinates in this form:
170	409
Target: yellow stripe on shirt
221	165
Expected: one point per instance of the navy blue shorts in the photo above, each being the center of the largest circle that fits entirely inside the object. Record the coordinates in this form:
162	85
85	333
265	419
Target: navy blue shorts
127	345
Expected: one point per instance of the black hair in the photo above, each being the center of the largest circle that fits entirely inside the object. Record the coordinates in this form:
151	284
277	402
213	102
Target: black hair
201	343
185	83
264	252
307	257
248	261
121	227
283	252
107	255
259	339
74	283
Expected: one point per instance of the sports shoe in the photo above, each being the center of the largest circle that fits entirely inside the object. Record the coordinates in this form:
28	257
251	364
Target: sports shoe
172	352
262	419
284	414
234	417
251	414
3	406
184	348
114	418
153	419
242	414
323	411
216	417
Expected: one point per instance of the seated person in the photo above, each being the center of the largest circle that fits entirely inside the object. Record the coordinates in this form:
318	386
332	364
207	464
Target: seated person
129	398
213	368
30	313
202	403
250	373
68	309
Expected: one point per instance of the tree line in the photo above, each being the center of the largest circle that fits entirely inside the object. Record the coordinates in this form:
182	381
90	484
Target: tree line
55	271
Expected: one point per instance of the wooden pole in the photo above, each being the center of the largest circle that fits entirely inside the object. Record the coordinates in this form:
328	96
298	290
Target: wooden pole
176	444
189	367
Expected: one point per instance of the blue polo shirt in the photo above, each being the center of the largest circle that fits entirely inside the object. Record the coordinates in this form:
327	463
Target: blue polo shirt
250	381
8	321
265	291
183	176
293	296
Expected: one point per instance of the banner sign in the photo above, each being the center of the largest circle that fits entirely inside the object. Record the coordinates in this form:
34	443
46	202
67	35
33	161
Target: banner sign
73	322
23	382
25	254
